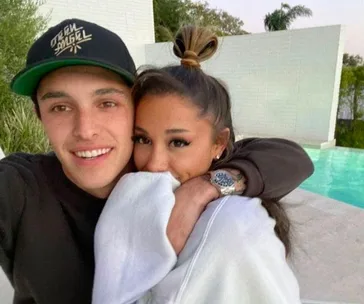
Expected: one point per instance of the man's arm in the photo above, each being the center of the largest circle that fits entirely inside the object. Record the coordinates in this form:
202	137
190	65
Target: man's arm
12	198
273	167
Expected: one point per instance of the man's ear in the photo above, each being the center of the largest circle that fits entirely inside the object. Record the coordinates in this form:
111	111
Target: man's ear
222	141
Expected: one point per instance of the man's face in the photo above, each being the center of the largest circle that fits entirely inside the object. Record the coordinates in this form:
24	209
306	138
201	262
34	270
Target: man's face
87	114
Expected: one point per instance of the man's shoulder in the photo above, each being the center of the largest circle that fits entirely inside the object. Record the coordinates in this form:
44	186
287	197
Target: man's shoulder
27	157
27	160
26	165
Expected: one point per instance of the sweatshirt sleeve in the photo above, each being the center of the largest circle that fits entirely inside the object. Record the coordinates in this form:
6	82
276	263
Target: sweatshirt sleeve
12	201
239	259
273	166
132	250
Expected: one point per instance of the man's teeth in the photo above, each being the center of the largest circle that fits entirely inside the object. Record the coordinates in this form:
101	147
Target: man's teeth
92	153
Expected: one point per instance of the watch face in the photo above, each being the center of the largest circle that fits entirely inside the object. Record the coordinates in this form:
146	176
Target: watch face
223	179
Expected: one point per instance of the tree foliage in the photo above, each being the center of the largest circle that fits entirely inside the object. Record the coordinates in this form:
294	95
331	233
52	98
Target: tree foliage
282	18
352	85
352	60
19	26
351	98
170	15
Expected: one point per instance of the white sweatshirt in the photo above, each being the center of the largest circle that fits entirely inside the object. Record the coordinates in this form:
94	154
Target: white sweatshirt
232	256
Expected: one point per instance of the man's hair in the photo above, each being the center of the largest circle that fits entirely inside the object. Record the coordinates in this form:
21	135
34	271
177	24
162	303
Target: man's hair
36	104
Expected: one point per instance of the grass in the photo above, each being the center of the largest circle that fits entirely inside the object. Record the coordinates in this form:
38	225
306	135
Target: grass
21	131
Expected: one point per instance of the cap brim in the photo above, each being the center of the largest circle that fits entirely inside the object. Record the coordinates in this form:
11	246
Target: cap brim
27	80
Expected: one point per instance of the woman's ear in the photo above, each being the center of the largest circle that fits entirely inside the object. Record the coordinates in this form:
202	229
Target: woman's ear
222	140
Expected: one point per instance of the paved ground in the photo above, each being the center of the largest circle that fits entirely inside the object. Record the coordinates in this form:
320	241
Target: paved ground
329	250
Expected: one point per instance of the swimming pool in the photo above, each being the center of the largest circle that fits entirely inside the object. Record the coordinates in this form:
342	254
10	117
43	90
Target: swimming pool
339	174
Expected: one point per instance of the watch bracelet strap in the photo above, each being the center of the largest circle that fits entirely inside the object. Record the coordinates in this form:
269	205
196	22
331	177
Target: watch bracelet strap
238	178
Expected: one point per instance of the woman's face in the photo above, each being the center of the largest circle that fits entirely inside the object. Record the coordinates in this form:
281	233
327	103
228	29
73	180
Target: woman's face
170	135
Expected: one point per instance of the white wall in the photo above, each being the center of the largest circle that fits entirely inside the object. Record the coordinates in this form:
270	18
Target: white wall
132	20
282	84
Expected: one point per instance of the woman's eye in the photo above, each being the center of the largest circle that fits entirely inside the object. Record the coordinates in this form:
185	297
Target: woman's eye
60	108
179	143
138	139
108	104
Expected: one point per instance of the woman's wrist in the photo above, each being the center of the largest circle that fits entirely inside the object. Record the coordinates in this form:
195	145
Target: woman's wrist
228	181
192	198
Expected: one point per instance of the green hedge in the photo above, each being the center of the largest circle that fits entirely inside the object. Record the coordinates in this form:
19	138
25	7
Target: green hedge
350	134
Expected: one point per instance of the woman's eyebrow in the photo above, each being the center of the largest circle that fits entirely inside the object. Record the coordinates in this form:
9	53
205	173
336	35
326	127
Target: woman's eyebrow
176	131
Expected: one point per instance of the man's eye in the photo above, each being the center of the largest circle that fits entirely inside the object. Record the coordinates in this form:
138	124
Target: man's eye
108	104
179	143
61	108
138	139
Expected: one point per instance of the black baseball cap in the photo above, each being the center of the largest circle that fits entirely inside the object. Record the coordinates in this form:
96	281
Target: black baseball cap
73	42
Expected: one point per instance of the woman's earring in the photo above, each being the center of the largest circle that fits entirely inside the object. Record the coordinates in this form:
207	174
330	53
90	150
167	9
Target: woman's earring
217	157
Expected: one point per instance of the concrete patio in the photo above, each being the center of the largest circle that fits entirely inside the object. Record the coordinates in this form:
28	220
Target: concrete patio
328	246
328	256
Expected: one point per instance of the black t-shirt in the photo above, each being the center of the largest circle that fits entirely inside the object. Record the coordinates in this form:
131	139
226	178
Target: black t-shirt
49	258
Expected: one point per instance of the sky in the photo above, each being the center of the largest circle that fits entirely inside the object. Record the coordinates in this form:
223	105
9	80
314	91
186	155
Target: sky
325	12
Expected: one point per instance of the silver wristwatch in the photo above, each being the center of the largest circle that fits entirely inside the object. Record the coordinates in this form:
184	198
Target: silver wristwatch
226	183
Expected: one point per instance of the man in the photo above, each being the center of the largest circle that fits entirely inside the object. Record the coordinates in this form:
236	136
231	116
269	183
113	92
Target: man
79	75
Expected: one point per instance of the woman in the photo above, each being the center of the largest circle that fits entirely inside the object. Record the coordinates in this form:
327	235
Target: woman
237	250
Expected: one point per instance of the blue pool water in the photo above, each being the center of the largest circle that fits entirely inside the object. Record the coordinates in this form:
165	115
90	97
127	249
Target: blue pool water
339	174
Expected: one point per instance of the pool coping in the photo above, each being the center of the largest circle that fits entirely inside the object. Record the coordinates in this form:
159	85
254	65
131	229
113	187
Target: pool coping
356	150
325	302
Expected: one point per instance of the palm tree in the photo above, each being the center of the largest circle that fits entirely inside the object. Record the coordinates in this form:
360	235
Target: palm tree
281	19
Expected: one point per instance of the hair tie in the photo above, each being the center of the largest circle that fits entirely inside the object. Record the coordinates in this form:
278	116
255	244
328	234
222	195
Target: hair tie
190	59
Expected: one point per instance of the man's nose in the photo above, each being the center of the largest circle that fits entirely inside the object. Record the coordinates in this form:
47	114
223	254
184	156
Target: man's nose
85	125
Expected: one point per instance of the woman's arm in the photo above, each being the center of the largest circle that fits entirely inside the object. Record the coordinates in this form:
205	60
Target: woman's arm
232	243
132	250
273	167
233	256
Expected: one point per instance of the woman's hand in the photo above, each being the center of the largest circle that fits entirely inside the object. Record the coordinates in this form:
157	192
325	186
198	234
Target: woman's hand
192	197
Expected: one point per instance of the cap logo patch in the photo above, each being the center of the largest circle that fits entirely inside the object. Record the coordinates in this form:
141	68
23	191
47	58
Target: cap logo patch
69	39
